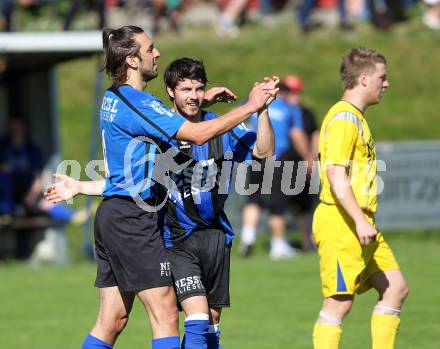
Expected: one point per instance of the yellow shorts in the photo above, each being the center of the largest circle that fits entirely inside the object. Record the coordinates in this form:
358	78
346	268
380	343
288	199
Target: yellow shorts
345	264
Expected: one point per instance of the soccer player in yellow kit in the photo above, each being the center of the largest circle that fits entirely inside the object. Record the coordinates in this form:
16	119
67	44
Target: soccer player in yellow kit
353	254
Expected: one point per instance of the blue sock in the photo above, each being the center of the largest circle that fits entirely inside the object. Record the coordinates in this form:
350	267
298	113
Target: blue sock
166	343
92	342
213	338
196	332
61	212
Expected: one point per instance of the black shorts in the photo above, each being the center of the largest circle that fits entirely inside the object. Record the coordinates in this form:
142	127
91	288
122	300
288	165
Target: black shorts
129	248
200	267
277	202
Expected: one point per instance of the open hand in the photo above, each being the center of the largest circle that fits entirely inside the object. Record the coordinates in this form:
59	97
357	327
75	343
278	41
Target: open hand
218	95
66	188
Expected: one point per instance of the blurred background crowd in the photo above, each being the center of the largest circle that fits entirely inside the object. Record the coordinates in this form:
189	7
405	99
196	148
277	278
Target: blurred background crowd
227	16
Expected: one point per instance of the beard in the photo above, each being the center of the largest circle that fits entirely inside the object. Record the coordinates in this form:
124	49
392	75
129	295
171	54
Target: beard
150	74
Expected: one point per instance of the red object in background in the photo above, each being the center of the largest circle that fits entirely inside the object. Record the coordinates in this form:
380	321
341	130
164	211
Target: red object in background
111	3
326	3
253	4
293	82
222	3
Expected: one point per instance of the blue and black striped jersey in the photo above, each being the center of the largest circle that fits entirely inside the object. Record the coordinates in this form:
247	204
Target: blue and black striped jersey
133	125
197	200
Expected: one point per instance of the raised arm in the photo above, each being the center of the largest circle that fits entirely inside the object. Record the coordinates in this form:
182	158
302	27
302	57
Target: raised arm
341	187
201	132
265	142
66	188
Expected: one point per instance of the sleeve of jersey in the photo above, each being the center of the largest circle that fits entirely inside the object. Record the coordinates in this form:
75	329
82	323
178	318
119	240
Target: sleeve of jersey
254	121
297	118
340	142
242	142
155	119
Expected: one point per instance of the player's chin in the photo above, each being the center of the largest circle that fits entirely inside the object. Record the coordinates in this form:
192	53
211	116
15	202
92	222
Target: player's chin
152	73
192	111
376	100
381	94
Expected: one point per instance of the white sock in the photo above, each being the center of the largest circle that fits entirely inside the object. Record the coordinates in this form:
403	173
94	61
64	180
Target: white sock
226	20
277	243
327	319
197	316
386	310
214	328
248	234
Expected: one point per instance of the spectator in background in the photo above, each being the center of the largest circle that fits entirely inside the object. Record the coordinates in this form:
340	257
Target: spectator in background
288	126
431	17
21	185
6	9
21	164
383	13
23	210
172	9
228	21
304	202
96	5
305	11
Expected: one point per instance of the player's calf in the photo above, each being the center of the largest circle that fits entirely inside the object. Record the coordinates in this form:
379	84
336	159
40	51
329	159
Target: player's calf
385	320
161	305
328	327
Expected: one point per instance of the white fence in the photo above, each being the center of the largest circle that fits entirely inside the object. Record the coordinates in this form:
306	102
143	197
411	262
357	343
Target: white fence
411	195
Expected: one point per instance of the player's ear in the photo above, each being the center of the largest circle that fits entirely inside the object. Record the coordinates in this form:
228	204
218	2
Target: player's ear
170	92
363	79
132	61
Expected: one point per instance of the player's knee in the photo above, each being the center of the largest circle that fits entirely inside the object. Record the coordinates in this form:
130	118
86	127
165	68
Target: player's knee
173	316
397	292
338	306
345	307
113	326
402	291
120	324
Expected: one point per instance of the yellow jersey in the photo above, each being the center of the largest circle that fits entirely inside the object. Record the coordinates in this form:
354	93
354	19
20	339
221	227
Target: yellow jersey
345	139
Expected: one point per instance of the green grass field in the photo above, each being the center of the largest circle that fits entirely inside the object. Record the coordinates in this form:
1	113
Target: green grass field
274	303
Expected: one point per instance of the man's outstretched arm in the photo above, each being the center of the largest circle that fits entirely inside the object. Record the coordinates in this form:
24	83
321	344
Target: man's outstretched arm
201	132
66	188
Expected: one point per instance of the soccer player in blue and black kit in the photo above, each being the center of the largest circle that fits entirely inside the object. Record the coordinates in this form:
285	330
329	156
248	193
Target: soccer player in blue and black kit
130	254
197	232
